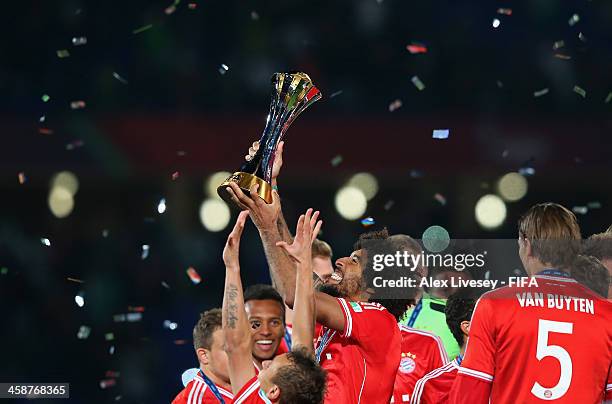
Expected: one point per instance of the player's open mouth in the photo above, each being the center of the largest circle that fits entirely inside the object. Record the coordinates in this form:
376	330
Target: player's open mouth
337	276
264	342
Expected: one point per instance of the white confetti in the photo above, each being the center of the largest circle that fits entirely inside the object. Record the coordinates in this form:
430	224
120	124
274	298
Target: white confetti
161	206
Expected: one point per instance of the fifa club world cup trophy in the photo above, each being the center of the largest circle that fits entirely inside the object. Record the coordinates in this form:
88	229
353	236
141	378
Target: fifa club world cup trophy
292	93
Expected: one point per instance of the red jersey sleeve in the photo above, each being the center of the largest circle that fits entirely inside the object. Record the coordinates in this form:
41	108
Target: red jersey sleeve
469	390
364	321
249	393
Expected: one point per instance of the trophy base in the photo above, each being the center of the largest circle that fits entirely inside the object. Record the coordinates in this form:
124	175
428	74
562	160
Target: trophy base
245	181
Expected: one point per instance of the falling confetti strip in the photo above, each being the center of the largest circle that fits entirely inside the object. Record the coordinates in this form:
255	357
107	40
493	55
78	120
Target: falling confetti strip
540	93
136	309
440	198
129	317
105	233
193	275
389	204
145	252
441	133
42	118
3	271
109	336
335	94
78	41
83	332
22	178
62	53
414	173
580	91
170	325
499	84
45	131
175	175
77	104
112	373
45	98
558	45
75	280
594	205
504	11
45	241
107	383
368	221
165	285
581	37
79	300
496	22
609	98
573	20
161	206
395	105
75	144
223	69
118	77
563	57
580	210
142	29
192	6
254	16
335	162
111	350
526	171
505	153
180	341
417	83
416	48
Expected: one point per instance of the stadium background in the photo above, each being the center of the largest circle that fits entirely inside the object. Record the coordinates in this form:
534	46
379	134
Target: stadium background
159	102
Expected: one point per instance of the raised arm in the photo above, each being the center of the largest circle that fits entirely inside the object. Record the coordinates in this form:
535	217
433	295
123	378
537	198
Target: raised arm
300	251
266	216
234	319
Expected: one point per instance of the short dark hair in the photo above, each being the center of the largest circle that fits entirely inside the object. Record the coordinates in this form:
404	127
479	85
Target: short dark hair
261	291
553	232
590	272
599	245
209	322
397	307
373	242
459	308
302	382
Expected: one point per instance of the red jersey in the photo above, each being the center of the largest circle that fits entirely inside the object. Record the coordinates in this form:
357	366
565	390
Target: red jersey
530	344
433	388
421	353
362	360
198	392
251	393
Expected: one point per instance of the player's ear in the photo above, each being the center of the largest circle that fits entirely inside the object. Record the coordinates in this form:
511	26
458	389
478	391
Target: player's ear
465	328
273	393
203	356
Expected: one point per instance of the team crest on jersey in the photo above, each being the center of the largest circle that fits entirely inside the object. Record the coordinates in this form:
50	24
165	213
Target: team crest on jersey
407	363
356	307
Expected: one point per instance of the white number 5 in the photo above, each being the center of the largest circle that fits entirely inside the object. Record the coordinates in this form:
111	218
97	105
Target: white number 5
543	350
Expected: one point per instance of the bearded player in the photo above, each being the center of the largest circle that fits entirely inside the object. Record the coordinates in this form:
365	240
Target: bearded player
550	342
359	344
295	377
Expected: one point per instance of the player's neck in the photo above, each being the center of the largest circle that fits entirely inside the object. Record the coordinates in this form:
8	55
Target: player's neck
535	267
215	379
258	364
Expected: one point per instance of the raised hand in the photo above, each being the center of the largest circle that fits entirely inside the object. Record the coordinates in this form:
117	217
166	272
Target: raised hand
278	158
263	215
232	246
307	230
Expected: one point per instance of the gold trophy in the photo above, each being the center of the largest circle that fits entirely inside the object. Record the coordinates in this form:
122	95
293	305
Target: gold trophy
292	93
